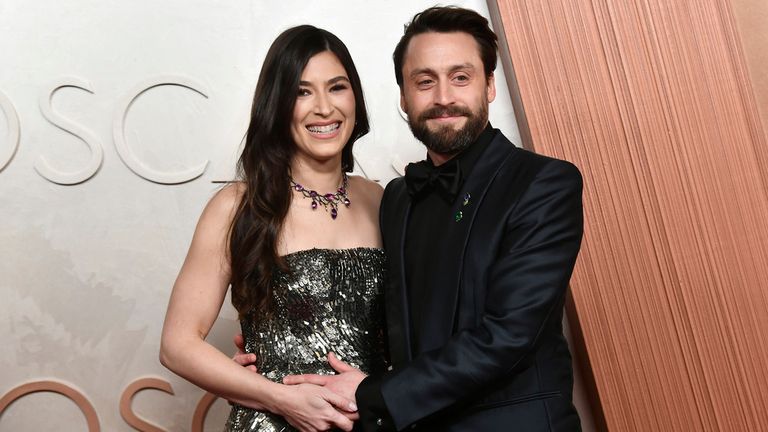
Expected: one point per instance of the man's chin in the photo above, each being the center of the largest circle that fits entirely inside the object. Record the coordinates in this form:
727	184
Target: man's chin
441	125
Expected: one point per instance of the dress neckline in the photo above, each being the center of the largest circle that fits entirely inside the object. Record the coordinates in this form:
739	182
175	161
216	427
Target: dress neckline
333	250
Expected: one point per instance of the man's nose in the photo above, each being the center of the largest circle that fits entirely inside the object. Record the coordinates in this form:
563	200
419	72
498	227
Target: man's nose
444	93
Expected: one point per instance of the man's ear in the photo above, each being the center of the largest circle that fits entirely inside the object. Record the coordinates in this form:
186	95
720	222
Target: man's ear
403	105
491	88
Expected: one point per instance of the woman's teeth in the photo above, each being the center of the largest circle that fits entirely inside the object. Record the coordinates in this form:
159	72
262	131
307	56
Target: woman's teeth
324	129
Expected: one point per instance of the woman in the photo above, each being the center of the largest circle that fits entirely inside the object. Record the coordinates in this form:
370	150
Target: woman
299	242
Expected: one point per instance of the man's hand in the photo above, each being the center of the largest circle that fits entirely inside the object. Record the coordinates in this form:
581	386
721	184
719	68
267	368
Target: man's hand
241	357
310	408
344	383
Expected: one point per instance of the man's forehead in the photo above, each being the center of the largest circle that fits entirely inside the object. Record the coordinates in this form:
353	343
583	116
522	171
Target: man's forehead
457	47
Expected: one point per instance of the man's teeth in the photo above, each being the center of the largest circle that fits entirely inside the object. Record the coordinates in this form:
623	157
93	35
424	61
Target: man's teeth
324	129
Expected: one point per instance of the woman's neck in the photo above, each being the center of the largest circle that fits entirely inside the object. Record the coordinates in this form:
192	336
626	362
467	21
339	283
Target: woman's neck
322	177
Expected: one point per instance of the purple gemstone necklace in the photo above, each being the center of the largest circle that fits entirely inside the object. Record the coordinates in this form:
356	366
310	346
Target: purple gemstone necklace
331	200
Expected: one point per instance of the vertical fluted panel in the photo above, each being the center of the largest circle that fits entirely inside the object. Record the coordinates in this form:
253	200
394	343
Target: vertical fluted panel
652	100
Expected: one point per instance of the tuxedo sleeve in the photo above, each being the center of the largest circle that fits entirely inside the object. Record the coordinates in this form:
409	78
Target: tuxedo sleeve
526	286
374	415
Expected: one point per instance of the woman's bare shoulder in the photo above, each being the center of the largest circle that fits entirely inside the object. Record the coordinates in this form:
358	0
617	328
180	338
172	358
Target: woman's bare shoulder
224	203
368	188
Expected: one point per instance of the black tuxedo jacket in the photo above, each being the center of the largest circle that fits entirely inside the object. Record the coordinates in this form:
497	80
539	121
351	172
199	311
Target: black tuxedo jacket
493	355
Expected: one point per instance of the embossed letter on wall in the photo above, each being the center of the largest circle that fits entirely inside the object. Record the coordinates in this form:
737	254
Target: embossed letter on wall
89	138
121	144
57	387
14	129
126	399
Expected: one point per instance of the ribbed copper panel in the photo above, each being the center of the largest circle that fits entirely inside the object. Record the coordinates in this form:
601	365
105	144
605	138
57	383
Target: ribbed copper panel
652	100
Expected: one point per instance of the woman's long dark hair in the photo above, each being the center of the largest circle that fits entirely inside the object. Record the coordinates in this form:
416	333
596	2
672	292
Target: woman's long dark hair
264	165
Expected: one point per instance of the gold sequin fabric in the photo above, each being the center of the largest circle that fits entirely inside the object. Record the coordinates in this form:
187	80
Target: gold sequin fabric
329	301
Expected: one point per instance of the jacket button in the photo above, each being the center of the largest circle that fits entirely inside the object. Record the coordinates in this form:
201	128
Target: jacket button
379	422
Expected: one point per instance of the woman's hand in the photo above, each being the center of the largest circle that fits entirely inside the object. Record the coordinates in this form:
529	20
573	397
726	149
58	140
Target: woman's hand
312	408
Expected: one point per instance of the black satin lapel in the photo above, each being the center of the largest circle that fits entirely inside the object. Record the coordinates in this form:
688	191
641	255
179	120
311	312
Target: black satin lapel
442	303
395	298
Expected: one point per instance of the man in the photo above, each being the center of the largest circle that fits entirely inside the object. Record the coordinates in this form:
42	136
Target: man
481	239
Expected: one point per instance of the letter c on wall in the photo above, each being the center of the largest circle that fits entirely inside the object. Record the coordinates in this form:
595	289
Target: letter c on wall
53	386
121	144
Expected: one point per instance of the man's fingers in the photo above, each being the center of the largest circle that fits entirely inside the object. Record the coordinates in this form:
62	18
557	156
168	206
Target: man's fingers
342	422
338	365
339	402
355	416
244	359
320	380
241	357
239	342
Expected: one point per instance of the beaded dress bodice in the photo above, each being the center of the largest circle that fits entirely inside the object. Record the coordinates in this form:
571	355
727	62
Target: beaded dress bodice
329	301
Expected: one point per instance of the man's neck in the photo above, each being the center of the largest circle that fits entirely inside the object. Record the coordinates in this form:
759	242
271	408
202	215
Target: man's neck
440	158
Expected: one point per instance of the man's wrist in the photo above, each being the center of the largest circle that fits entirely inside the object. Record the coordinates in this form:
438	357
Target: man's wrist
372	407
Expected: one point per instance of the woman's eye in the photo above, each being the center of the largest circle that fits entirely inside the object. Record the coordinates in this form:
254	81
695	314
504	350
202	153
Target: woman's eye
338	87
304	92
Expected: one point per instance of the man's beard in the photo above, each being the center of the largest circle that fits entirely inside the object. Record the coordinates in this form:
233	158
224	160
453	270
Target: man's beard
445	140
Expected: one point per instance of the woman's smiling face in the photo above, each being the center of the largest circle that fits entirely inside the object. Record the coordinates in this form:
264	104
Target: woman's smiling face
324	114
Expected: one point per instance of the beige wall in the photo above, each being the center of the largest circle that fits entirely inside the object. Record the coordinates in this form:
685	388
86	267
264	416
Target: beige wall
86	268
751	20
751	23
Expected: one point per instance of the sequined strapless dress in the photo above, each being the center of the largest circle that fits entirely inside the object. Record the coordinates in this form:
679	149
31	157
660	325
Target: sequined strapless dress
330	301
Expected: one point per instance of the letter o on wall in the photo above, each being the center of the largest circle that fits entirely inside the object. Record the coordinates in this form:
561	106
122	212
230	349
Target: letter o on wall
6	106
56	387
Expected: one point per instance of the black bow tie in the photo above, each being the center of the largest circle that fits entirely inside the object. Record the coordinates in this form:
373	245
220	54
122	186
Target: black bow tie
422	177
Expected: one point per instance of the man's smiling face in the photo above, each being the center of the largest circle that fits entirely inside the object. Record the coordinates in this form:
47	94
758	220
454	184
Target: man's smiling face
445	90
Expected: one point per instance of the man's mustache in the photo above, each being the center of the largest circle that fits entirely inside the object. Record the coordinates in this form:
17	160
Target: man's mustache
440	111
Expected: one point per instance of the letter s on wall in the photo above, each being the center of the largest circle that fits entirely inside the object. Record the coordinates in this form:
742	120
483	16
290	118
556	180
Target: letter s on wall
89	138
121	144
126	410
